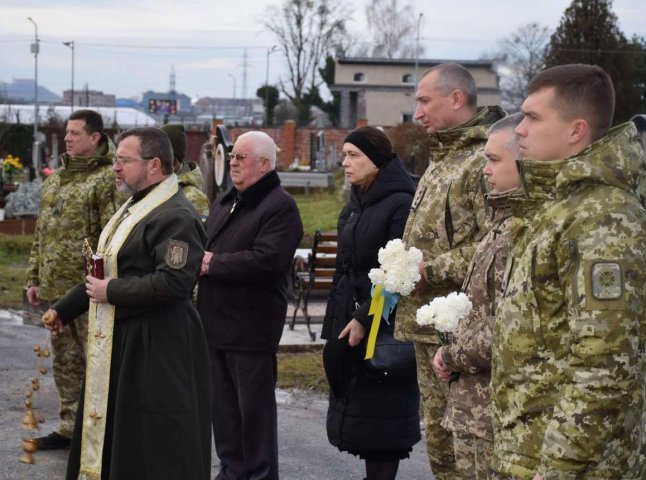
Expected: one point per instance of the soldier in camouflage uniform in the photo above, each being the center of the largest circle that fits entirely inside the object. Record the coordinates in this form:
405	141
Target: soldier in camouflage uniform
446	221
188	173
468	412
76	202
568	377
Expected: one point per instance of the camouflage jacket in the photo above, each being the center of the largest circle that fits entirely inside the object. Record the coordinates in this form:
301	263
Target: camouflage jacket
191	181
568	368
447	218
76	202
469	403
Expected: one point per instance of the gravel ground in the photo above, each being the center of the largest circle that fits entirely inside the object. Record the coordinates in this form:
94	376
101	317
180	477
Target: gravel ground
305	453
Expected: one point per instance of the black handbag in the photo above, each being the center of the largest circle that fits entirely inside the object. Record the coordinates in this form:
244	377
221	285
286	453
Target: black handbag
392	360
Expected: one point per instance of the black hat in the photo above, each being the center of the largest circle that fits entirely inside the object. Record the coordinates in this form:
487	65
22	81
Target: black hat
177	137
361	141
338	360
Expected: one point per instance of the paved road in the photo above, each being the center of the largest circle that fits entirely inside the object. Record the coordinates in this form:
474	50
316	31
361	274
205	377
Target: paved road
305	453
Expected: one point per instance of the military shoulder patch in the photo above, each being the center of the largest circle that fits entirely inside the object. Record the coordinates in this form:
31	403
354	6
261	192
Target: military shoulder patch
604	284
176	254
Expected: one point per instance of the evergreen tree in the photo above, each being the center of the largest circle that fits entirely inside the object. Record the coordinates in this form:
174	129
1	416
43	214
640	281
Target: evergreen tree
639	48
333	107
269	95
589	33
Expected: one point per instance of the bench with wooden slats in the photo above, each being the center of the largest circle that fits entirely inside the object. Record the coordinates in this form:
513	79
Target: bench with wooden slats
315	273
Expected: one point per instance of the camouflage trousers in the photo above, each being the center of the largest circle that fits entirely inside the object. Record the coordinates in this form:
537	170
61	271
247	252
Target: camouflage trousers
472	456
434	393
68	365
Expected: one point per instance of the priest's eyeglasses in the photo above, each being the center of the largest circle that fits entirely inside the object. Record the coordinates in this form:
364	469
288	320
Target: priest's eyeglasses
123	161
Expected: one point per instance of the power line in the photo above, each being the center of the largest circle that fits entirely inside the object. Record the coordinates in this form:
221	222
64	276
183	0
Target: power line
152	47
158	47
600	50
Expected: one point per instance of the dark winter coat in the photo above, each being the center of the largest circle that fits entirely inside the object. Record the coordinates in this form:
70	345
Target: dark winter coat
243	299
372	416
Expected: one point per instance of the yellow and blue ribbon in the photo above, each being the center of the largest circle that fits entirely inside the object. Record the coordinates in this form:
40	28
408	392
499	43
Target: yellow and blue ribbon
381	306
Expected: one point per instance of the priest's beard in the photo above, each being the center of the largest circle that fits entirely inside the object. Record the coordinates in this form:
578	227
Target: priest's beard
128	190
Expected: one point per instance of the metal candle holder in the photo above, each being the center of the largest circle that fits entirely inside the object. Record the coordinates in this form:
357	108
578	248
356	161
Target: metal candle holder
31	420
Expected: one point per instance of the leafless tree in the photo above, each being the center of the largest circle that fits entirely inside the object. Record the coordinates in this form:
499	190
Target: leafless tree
393	28
520	56
306	31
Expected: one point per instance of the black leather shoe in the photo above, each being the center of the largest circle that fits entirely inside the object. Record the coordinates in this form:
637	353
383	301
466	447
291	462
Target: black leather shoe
53	441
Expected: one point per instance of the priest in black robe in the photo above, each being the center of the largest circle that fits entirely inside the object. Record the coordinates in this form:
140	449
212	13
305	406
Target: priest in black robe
145	412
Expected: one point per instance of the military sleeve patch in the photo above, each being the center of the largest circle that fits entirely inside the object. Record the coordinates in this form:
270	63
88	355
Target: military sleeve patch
176	254
604	284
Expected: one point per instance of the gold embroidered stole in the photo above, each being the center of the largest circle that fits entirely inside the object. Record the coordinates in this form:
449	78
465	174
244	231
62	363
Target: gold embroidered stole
101	326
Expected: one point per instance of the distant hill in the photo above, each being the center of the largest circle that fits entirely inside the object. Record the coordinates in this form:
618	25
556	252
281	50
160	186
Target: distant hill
22	90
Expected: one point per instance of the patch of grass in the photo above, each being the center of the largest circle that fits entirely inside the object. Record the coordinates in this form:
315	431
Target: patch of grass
15	244
303	370
319	211
14	256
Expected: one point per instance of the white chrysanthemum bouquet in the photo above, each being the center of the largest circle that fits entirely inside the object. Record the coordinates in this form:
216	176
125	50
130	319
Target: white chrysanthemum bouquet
397	275
444	313
399	268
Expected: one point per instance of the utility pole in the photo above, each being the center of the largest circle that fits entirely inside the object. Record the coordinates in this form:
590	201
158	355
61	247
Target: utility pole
419	24
269	52
244	82
71	45
34	49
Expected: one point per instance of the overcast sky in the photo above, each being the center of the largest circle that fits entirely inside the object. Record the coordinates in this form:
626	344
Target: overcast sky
111	37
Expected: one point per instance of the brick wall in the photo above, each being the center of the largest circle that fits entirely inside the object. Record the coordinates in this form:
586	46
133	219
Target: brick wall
295	142
194	141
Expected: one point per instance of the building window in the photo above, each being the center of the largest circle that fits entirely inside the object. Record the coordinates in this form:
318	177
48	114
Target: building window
359	77
407	118
408	78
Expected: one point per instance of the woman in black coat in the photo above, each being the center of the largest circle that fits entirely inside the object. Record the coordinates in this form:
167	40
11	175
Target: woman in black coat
368	417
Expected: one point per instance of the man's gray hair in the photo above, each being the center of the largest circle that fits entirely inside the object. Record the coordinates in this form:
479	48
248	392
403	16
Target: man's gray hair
264	146
453	76
510	122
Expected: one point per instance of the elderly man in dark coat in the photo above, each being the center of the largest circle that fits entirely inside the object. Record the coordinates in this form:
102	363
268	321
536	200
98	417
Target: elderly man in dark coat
145	411
252	234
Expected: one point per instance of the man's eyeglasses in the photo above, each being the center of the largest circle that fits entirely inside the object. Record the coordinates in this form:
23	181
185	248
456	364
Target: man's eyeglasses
240	156
122	162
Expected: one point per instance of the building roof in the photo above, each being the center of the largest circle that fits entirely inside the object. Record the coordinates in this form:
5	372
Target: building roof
125	117
423	62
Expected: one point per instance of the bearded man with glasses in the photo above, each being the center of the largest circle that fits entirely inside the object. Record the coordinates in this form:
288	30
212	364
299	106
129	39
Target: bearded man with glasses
252	234
146	408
